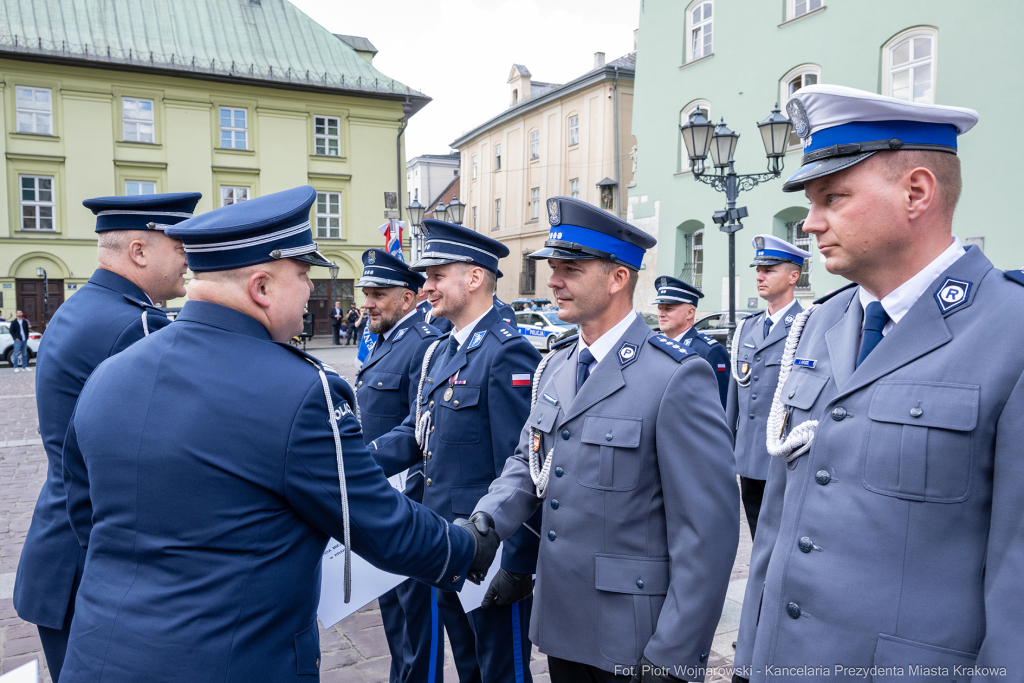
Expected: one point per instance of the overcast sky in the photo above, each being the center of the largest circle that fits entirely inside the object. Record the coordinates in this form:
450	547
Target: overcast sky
459	52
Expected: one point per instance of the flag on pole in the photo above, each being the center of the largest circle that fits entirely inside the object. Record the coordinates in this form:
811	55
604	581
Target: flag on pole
392	231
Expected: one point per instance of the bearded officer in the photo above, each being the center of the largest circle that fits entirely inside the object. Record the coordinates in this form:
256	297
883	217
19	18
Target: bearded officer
677	309
757	352
473	401
386	390
207	466
634	468
891	535
138	264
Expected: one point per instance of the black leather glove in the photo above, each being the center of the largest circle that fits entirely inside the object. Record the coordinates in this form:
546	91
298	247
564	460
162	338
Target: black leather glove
736	678
485	540
646	672
508	587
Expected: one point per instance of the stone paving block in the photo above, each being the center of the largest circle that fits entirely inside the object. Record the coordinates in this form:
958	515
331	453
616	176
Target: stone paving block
346	675
339	658
361	620
21	646
375	670
370	642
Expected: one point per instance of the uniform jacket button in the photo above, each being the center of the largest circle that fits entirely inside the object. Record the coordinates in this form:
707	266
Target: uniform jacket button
430	454
431	429
757	359
916	412
552	535
753	397
751	416
455	579
318	662
639	583
559	471
806	545
455	403
793	610
431	404
565	434
703	657
755	378
822	477
554	504
380	384
360	384
839	413
430	482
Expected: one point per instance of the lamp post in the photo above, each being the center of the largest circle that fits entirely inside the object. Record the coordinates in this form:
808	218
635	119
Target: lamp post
456	209
702	137
415	210
333	270
41	272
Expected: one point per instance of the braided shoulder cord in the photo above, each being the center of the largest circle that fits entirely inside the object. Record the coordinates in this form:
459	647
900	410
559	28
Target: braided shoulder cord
423	418
735	350
799	439
539	473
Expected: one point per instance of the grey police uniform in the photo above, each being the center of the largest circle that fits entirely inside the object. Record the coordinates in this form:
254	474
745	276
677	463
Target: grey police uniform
641	515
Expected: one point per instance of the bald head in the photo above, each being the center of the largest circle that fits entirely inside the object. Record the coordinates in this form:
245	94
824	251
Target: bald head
153	261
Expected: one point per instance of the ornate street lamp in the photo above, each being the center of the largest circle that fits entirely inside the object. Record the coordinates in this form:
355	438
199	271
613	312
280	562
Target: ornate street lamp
333	270
455	211
723	145
416	210
697	139
775	135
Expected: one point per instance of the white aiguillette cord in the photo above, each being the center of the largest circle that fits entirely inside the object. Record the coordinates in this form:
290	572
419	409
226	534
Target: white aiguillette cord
734	349
800	437
538	473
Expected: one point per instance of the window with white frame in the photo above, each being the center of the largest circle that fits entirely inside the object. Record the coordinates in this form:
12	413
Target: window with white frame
798	8
910	65
800	77
799	238
574	130
328	214
137	120
139	187
232	194
702	106
34	110
327	136
534	145
474	166
234	129
574	188
699	43
474	218
697	259
497	157
497	214
37	204
535	203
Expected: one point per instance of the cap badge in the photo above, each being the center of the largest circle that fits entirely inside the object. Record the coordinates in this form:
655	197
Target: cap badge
664	282
759	243
798	116
952	293
554	212
371	257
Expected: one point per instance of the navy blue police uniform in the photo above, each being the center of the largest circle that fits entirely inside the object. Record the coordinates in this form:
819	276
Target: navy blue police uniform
106	316
385	391
469	414
672	290
207	467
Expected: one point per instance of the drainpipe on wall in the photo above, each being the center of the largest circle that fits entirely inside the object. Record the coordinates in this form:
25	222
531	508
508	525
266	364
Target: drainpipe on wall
406	110
618	182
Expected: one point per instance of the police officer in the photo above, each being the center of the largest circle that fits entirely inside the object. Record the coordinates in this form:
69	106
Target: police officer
677	308
208	465
474	397
444	325
757	347
634	467
138	264
891	539
385	391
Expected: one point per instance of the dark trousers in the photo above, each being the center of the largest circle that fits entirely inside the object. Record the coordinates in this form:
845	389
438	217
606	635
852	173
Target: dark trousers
751	492
489	645
412	624
564	671
353	333
55	640
336	332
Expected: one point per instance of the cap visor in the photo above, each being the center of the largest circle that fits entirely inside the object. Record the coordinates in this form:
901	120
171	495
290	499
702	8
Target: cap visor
382	284
769	261
314	258
564	254
425	263
819	169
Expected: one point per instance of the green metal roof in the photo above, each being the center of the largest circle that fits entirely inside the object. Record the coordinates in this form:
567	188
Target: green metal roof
269	41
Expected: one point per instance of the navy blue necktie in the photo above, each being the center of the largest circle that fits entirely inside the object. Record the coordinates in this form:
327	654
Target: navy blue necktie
453	347
767	325
875	319
583	368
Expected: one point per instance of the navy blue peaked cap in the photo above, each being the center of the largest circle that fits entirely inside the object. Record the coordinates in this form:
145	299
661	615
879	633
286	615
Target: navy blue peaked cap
260	230
450	243
672	290
143	212
582	231
381	269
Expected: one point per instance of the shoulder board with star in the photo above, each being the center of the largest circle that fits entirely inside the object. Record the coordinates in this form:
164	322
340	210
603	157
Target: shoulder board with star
669	346
426	330
832	294
562	341
1015	275
505	332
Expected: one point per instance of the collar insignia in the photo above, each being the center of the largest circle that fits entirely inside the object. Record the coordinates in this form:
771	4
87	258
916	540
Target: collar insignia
789	319
478	338
627	352
952	294
401	333
687	341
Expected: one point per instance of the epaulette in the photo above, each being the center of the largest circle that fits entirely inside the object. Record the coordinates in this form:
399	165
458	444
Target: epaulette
706	339
564	339
347	392
1015	275
669	346
505	332
832	294
426	330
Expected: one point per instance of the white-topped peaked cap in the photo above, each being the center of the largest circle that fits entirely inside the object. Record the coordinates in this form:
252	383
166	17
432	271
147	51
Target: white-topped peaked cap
769	250
842	126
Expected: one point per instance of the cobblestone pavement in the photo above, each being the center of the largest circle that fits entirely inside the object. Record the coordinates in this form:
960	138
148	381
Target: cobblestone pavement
354	650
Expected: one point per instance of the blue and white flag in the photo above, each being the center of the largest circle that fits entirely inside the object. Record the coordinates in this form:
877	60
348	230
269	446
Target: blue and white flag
366	343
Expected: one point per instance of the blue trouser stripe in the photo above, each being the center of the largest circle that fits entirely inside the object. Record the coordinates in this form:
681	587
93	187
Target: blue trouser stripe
433	635
517	642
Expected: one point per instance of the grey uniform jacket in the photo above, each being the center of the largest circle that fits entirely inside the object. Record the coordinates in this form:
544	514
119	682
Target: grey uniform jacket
747	407
641	515
898	540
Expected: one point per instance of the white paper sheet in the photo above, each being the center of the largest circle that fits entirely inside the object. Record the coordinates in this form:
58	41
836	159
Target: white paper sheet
471	594
26	673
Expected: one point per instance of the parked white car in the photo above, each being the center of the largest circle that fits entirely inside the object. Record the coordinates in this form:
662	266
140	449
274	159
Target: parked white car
541	327
7	343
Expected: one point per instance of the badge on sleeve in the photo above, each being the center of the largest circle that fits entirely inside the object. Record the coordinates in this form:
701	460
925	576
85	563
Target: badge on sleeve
521	380
952	293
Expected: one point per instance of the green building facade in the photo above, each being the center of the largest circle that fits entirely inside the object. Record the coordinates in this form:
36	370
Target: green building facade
232	99
734	59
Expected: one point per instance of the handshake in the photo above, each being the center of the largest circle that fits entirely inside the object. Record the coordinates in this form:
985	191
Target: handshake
506	587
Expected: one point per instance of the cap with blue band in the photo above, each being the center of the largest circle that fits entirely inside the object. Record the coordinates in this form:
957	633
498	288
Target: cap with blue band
449	243
260	230
842	126
770	250
672	290
381	269
142	212
581	231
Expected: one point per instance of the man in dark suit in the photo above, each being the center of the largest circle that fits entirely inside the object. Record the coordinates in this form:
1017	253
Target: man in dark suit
335	316
19	333
352	318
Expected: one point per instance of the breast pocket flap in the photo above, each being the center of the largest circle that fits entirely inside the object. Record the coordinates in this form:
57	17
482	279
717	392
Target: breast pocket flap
926	404
543	417
802	389
618	432
462	398
384	381
633	575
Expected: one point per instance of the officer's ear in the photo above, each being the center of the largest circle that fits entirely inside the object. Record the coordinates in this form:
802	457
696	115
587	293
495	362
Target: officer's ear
259	286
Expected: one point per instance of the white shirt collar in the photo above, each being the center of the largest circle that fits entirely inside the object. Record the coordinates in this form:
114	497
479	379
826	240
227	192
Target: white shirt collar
777	316
606	341
387	335
900	300
679	337
463	334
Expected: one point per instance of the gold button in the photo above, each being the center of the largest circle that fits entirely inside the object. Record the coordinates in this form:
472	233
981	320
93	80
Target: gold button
455	403
431	429
431	404
430	482
380	384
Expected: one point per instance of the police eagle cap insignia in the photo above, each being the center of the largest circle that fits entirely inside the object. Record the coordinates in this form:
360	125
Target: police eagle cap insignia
798	116
371	257
664	282
759	243
554	212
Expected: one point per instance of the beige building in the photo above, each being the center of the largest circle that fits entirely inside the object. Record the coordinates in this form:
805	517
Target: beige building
571	139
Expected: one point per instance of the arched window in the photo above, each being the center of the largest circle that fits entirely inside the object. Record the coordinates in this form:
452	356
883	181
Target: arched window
800	77
908	62
685	165
699	23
